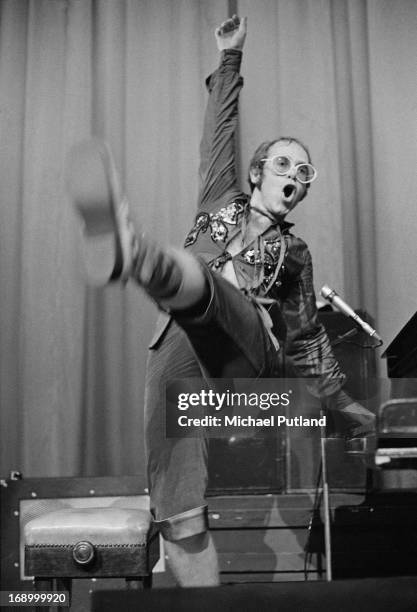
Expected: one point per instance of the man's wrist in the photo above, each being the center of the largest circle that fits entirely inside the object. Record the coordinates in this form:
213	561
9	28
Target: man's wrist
231	58
232	51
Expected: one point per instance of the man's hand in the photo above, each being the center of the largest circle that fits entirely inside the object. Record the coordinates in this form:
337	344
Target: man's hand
231	33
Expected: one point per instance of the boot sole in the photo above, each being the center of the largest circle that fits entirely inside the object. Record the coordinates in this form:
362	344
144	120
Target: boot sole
95	190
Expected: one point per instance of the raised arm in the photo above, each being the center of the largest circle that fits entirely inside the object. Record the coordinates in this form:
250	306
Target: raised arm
217	151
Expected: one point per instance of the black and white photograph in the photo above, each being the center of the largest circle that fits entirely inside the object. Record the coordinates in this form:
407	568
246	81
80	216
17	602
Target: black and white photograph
208	312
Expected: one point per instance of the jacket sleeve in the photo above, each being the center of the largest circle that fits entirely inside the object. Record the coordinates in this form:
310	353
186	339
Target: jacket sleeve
308	345
217	170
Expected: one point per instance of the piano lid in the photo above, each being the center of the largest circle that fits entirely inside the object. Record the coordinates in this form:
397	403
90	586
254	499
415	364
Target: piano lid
401	354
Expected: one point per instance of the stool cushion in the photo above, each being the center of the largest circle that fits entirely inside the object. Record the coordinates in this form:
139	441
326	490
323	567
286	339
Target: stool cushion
91	542
106	526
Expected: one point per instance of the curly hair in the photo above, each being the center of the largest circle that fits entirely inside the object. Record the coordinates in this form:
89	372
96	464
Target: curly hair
262	152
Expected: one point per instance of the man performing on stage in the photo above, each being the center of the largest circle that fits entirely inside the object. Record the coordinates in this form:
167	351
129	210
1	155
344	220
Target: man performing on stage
243	282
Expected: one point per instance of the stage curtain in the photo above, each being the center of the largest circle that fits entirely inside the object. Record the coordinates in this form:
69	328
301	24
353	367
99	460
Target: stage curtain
339	74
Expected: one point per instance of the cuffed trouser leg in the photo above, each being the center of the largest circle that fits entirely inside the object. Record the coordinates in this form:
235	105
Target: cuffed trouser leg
184	525
177	467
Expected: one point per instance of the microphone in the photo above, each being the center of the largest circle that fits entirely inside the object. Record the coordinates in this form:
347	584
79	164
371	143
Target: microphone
331	296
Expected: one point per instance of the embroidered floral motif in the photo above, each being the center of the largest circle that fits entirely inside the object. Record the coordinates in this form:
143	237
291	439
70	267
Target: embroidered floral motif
227	215
249	256
217	222
271	256
219	262
230	214
218	231
201	224
274	247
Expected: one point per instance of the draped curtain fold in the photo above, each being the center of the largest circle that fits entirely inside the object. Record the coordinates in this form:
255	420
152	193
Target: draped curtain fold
339	74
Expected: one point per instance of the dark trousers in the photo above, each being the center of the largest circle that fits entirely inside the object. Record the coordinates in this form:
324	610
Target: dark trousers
228	340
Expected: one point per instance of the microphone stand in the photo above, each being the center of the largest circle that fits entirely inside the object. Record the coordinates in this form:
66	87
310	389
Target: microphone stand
325	487
326	500
349	334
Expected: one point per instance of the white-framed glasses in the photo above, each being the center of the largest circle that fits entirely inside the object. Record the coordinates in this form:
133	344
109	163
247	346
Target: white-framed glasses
281	164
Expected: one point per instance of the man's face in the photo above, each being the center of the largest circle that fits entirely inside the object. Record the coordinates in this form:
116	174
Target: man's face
279	194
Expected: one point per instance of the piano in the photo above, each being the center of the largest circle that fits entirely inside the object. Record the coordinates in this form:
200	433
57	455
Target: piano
397	418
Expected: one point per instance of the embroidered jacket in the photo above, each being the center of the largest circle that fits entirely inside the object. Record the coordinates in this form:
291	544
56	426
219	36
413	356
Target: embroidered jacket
277	264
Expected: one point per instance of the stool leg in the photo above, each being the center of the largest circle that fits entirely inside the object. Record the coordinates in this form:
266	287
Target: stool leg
42	584
147	581
136	583
53	584
133	584
64	584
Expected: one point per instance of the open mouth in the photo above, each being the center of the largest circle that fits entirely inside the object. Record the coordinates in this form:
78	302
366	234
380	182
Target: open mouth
288	191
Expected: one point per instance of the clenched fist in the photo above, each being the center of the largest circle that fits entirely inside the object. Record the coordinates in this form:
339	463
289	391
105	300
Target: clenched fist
231	33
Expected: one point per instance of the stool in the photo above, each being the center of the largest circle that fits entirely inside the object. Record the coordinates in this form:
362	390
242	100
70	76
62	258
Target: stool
103	542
